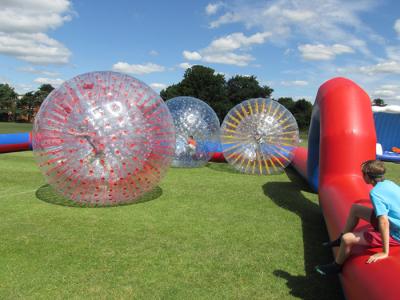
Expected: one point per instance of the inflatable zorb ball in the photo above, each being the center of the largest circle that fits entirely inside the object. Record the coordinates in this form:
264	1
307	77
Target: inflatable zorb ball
197	131
103	138
259	136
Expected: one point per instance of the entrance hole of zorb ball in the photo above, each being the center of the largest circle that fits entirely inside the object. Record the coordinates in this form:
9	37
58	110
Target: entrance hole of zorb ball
258	136
103	138
197	131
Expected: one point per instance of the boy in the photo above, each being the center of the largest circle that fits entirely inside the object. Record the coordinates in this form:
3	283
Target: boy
384	218
192	143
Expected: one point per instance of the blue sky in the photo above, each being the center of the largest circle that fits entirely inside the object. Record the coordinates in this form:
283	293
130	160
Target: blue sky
291	46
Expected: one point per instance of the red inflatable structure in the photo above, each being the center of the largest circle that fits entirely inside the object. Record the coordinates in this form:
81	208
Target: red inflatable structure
218	157
346	139
13	142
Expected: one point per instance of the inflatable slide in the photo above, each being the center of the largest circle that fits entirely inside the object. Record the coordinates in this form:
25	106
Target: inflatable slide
342	136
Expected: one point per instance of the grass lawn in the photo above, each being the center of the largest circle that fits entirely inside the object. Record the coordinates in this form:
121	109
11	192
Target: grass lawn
206	233
6	127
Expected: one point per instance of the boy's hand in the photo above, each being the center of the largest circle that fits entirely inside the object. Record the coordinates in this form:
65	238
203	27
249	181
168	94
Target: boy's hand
376	257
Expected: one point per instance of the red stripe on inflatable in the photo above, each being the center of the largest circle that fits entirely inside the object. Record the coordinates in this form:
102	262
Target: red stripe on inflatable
299	161
218	157
15	147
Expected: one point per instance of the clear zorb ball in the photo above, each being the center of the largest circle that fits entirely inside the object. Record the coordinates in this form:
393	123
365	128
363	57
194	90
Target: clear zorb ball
259	136
103	138
197	131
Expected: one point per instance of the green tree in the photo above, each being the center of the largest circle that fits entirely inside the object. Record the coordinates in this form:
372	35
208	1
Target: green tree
42	93
287	102
46	89
240	88
378	102
26	106
302	110
8	99
171	92
30	103
203	83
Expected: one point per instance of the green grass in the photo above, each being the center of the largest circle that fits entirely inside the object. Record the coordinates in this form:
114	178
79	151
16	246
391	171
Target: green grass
206	233
303	135
8	127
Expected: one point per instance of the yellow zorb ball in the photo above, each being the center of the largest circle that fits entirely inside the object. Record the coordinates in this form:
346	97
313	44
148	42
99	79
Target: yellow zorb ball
258	136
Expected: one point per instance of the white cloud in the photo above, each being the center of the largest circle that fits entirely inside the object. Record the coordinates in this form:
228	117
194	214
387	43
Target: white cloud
53	81
323	52
295	83
33	16
385	73
290	14
153	53
36	48
22	88
191	55
328	21
288	51
212	8
222	49
6	80
393	53
32	70
388	92
158	86
228	58
384	93
297	15
360	45
386	67
137	69
397	27
225	19
185	65
391	87
236	41
22	30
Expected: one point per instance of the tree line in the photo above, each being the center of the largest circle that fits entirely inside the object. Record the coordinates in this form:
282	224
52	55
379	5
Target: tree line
204	83
198	81
21	108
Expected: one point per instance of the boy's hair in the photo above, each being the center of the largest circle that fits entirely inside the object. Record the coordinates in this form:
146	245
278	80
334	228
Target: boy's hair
375	169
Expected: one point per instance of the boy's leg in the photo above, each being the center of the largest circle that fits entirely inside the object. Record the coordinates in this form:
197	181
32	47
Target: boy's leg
357	212
349	239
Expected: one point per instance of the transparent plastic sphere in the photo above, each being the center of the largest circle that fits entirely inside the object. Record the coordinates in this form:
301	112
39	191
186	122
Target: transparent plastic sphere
259	136
103	138
197	131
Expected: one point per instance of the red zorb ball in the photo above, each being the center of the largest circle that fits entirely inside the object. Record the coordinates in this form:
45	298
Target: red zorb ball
103	138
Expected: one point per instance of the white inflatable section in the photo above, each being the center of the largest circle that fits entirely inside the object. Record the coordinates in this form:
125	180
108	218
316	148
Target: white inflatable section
379	149
394	109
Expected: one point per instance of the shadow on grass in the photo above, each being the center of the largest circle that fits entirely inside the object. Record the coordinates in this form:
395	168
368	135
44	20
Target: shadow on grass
298	180
48	194
228	168
222	167
311	286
